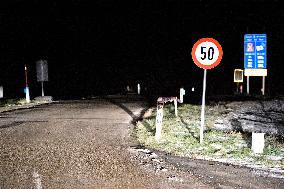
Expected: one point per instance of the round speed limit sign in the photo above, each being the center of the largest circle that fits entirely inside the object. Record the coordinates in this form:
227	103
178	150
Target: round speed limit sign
207	53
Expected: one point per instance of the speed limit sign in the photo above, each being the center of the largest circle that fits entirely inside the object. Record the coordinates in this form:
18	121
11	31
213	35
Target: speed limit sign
207	53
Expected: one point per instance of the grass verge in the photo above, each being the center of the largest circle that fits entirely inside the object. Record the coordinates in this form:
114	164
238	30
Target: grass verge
180	136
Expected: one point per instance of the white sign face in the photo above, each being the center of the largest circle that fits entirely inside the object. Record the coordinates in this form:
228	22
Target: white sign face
207	53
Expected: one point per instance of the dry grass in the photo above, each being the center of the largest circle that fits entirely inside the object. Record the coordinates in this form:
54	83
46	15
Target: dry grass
180	136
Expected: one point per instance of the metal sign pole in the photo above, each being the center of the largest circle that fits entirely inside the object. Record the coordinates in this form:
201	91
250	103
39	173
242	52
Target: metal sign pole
203	107
42	91
247	84
263	85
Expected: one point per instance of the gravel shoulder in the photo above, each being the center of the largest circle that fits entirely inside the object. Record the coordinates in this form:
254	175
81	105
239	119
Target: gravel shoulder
79	144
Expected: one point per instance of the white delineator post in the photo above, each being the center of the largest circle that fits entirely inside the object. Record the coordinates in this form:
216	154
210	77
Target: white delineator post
176	111
159	122
138	88
181	93
1	91
203	107
257	143
28	100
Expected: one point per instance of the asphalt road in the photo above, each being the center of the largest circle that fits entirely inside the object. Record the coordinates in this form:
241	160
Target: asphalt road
79	144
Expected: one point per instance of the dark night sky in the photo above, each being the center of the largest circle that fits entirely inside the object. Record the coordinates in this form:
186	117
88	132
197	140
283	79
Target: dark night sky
92	46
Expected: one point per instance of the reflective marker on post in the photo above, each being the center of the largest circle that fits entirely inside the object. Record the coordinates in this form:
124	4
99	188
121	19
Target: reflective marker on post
207	54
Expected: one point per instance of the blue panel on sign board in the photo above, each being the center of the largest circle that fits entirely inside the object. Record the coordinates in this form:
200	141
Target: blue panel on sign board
255	51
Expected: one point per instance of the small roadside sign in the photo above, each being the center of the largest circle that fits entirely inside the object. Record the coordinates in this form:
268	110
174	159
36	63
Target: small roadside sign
206	53
238	75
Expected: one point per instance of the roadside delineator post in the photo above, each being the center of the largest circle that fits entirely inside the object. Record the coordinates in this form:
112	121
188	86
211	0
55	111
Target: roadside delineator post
176	110
28	100
138	88
159	116
159	122
257	142
1	92
181	94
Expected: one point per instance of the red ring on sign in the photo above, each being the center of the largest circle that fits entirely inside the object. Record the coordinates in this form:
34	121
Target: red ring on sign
199	64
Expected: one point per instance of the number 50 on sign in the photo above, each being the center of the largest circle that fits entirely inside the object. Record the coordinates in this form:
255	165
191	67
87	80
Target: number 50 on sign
207	53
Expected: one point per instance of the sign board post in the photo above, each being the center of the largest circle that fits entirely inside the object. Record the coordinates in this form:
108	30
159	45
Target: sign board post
255	60
263	85
207	54
247	84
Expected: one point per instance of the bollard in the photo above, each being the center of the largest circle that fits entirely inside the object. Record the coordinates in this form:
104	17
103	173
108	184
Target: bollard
257	143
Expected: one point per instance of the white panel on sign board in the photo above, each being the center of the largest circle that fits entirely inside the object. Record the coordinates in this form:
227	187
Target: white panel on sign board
255	72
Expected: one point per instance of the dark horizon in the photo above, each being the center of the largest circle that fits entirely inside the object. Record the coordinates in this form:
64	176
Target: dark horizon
99	47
